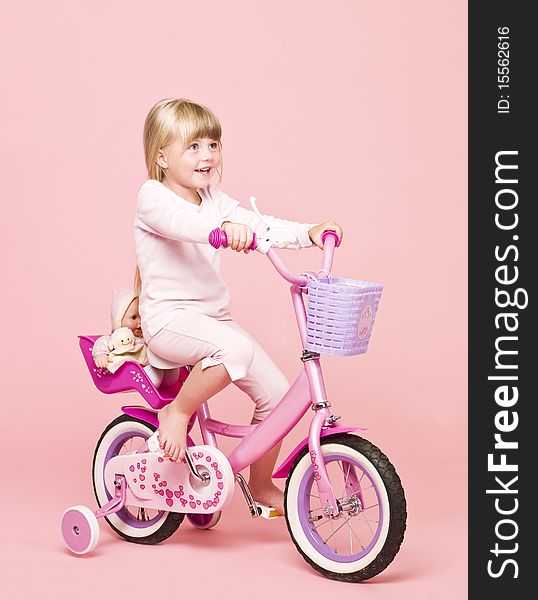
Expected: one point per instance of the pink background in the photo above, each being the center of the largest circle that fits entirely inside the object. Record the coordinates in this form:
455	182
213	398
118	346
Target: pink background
349	110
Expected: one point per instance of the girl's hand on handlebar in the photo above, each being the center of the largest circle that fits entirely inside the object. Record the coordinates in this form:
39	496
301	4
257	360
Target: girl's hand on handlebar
239	236
316	232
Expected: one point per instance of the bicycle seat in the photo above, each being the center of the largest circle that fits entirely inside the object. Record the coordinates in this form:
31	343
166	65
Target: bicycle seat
130	377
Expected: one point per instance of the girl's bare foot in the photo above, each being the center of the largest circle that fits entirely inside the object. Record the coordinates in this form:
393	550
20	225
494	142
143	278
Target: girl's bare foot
269	495
173	431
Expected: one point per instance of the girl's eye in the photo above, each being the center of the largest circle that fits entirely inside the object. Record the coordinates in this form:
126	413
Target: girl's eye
193	147
214	145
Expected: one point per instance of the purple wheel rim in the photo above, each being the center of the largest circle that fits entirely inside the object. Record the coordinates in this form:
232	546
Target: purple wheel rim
312	534
124	514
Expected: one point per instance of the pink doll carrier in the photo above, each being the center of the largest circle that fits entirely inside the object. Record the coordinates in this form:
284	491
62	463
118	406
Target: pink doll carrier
130	377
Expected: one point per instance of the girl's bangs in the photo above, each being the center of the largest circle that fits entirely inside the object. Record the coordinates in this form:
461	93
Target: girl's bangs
201	125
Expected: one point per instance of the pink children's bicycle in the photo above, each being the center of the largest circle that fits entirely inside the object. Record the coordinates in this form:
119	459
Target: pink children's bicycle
344	502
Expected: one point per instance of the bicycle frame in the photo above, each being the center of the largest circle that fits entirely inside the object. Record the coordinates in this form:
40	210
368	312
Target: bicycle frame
308	390
259	439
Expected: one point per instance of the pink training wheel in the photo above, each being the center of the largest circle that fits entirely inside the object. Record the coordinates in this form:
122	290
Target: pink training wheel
217	238
80	529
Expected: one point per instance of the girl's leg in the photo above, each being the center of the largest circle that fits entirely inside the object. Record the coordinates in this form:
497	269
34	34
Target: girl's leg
174	417
170	376
155	375
220	355
260	481
266	385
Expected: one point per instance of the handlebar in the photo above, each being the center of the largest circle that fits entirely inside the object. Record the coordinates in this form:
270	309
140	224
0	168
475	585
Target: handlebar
218	238
330	242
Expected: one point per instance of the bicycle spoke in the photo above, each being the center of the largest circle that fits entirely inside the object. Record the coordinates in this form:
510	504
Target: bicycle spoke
355	534
334	530
367	523
346	475
368	507
332	527
352	534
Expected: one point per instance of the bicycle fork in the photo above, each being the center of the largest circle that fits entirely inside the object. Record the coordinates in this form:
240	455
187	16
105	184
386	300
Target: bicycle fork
325	489
322	417
331	506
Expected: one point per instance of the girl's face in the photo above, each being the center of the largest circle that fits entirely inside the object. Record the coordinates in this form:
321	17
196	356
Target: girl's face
131	318
193	167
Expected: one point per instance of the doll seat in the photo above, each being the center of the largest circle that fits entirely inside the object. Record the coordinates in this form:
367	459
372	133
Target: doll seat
129	377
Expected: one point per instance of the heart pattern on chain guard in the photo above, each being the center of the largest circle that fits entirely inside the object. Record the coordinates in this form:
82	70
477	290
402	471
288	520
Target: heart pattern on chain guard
159	483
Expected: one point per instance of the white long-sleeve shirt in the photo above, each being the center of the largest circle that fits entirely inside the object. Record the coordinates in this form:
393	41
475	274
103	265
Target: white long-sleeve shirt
178	266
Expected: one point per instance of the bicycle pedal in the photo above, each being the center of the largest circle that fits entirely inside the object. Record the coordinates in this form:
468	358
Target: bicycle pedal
268	512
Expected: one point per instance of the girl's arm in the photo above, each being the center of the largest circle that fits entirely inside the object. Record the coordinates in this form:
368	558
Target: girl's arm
160	212
286	234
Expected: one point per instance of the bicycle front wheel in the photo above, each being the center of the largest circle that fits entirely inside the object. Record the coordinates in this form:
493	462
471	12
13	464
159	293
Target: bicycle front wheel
366	536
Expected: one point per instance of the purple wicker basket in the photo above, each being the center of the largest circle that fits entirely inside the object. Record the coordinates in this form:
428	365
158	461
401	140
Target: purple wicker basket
340	315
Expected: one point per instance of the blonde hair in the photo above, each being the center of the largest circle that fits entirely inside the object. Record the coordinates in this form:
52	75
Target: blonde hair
176	118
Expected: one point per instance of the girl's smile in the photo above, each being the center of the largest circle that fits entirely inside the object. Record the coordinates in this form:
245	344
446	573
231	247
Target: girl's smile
205	171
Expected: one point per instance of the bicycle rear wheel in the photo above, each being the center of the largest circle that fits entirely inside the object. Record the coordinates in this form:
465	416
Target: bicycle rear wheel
125	435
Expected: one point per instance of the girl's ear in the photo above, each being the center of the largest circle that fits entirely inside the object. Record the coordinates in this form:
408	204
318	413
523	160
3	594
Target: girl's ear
161	159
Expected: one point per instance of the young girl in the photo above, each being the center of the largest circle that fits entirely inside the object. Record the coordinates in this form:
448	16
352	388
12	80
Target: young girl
183	300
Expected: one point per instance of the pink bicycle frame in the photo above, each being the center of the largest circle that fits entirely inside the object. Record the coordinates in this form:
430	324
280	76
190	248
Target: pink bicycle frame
308	390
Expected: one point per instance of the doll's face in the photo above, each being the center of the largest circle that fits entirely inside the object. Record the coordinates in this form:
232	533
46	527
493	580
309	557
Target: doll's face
131	318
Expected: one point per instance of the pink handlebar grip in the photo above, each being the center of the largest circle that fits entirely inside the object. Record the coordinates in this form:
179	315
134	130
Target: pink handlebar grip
217	238
332	234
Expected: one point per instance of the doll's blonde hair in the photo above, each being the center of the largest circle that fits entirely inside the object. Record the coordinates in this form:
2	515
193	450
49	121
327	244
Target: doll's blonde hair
174	118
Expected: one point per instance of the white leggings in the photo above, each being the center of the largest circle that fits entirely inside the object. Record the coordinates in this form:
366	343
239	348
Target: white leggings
191	337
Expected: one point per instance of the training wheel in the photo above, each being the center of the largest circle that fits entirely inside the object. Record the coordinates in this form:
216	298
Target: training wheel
204	521
80	529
